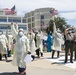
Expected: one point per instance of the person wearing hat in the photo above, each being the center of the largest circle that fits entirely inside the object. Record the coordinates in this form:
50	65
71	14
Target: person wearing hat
21	49
69	40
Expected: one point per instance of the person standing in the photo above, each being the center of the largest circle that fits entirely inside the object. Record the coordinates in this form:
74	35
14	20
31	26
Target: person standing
57	41
10	42
74	46
31	37
69	40
39	44
21	49
3	45
49	42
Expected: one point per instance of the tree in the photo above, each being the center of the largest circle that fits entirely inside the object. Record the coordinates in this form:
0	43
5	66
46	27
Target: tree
59	22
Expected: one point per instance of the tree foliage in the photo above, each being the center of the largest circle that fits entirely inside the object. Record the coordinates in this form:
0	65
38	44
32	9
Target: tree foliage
59	22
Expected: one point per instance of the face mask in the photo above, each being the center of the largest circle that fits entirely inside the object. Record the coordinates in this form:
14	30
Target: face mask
70	31
9	33
20	34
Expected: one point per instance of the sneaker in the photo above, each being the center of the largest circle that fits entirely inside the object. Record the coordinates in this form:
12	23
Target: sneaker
25	72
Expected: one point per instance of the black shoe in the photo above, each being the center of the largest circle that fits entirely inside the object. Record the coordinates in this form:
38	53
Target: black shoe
65	62
71	61
33	57
52	57
57	56
0	59
41	54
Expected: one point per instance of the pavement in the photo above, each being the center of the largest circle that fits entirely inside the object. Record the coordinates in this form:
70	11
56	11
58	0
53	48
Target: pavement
41	66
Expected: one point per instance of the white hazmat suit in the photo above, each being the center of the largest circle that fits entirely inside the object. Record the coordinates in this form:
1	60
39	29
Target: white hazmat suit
39	42
31	37
21	48
57	40
3	44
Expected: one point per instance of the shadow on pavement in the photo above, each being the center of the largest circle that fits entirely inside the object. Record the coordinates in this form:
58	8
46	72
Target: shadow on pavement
59	63
8	60
6	73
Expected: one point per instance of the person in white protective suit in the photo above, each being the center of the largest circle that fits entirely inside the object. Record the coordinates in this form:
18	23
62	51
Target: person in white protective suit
10	42
3	45
21	49
31	37
39	44
57	41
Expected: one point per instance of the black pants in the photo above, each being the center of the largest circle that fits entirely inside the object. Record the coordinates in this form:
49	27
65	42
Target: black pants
38	52
21	69
9	53
69	46
0	57
5	55
53	52
74	49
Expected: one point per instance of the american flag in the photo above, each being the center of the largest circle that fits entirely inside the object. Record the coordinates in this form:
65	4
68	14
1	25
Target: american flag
53	12
10	11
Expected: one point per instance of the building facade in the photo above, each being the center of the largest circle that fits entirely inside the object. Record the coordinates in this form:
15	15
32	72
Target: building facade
39	18
5	21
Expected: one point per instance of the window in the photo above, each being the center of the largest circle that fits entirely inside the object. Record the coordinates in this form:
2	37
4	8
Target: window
23	27
14	20
33	19
24	20
33	24
42	16
3	20
4	27
29	20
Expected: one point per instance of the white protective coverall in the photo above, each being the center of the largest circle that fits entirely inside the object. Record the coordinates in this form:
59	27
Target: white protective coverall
32	43
39	42
3	43
21	48
10	39
57	40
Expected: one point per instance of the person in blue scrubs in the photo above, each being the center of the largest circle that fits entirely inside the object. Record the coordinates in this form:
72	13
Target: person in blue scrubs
49	42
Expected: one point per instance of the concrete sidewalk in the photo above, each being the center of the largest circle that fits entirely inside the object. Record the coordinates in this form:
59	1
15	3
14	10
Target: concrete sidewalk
38	67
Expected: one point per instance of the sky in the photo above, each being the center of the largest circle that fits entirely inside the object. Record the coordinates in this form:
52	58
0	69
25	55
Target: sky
66	8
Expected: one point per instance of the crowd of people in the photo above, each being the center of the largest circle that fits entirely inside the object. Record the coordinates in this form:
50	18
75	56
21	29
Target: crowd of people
33	43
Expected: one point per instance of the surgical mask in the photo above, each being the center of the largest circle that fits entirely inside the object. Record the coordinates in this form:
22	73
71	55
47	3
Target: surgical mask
20	34
9	33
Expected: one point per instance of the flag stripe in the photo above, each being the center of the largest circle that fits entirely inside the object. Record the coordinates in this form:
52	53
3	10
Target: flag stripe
10	11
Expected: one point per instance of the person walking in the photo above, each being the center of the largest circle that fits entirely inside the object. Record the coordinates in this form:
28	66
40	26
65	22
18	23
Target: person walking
21	49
